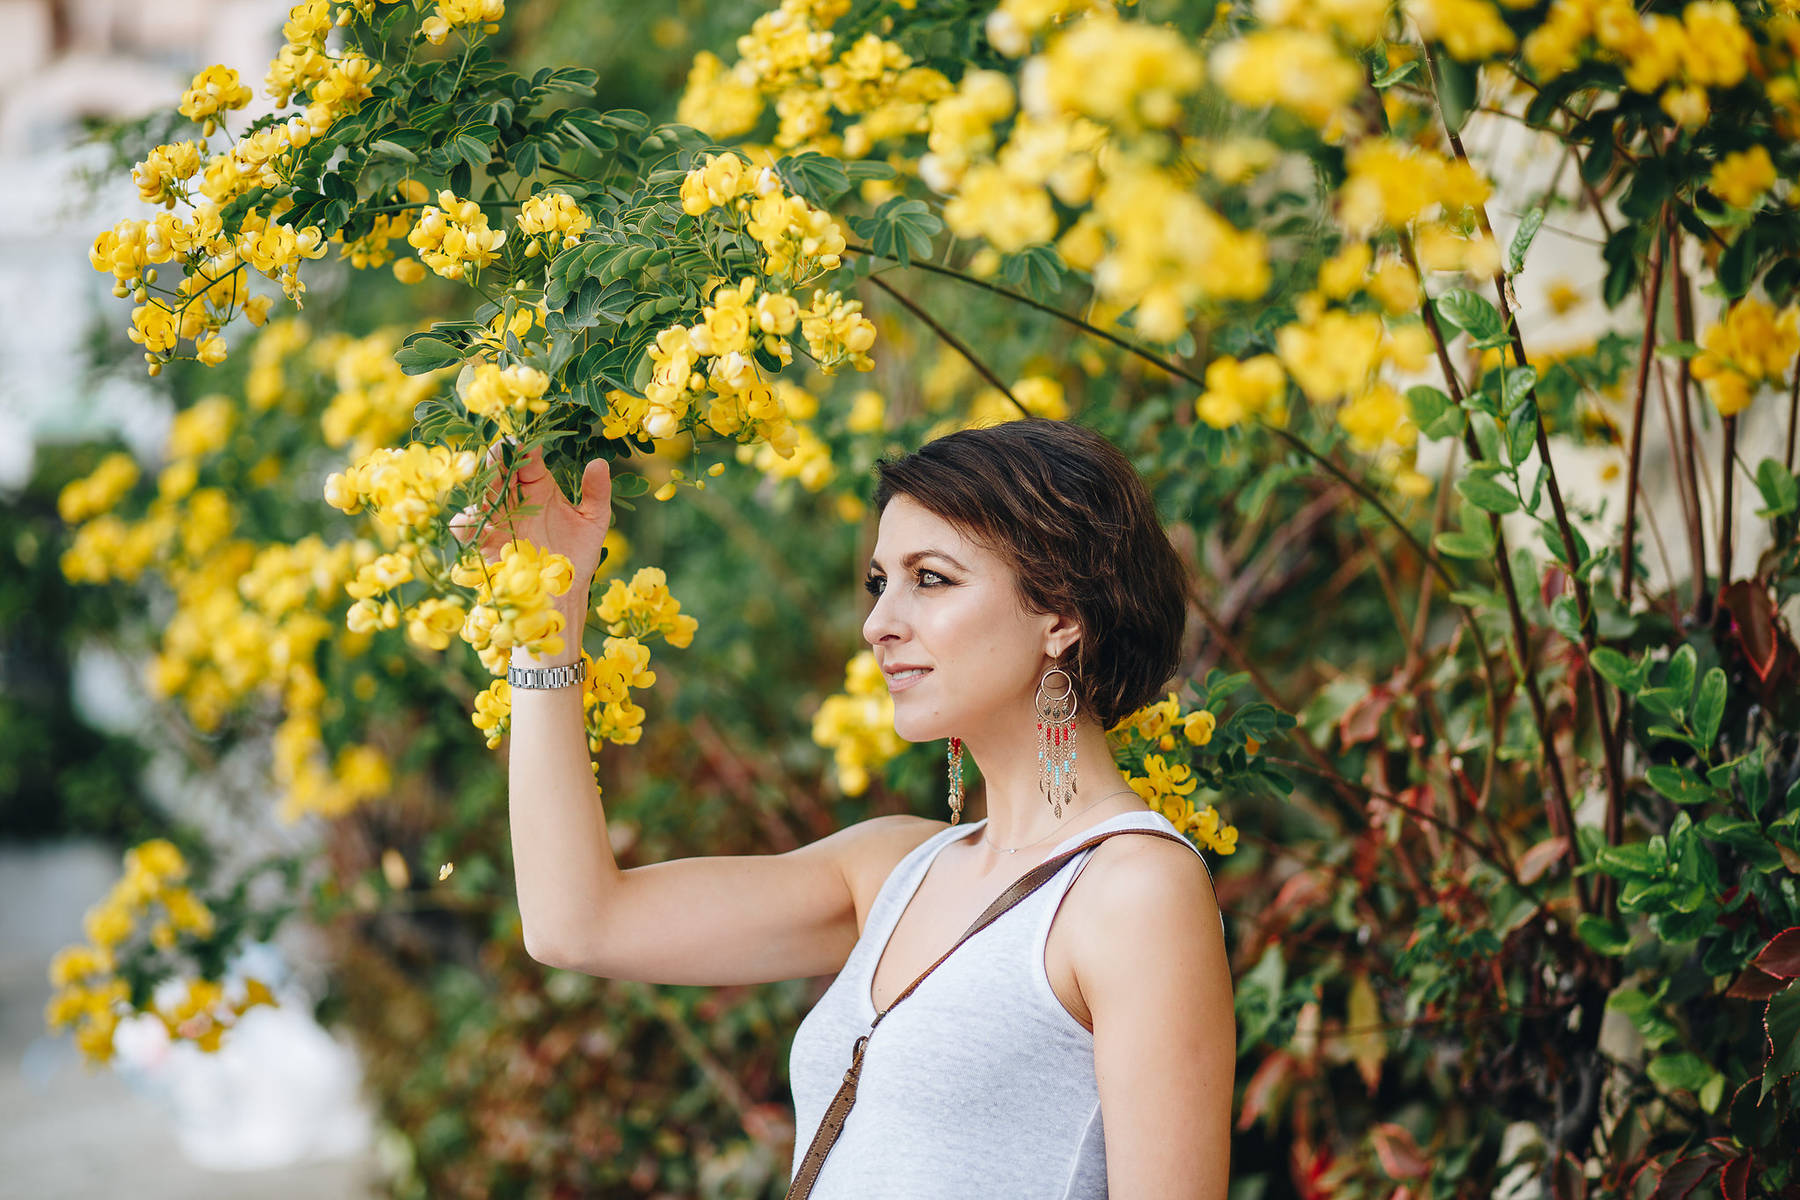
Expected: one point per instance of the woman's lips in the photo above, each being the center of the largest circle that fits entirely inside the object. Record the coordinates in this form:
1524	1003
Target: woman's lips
904	682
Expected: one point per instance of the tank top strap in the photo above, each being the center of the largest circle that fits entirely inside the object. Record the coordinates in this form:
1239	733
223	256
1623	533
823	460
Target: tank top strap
1065	878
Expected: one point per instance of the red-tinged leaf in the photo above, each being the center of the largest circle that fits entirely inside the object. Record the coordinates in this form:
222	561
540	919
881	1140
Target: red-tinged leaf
1303	891
1754	984
1781	957
1264	1086
1568	1181
1535	861
1753	624
1683	1176
1398	1152
1781	1032
1362	721
1734	1180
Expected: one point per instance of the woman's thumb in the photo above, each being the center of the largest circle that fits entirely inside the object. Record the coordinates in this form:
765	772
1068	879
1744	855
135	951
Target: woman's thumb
596	490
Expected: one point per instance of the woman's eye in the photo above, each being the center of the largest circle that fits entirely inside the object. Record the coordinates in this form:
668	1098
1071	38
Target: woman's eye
873	583
934	575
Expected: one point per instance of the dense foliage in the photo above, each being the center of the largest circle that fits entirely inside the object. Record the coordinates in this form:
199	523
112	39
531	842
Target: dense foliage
1516	883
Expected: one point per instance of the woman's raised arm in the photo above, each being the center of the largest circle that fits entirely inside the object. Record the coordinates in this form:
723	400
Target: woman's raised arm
716	920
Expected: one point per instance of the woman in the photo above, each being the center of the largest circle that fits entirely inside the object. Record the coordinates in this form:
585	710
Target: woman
1082	1045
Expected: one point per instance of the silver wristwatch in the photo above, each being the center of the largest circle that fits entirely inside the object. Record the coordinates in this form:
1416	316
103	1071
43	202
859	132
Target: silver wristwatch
547	677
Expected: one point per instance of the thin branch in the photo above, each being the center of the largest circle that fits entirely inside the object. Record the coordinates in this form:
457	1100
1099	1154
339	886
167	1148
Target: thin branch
951	340
1149	357
1646	352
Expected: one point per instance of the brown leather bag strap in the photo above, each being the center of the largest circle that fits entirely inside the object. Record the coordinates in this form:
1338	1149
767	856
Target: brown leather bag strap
839	1109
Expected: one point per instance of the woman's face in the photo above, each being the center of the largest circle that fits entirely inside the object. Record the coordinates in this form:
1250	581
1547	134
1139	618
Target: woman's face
945	604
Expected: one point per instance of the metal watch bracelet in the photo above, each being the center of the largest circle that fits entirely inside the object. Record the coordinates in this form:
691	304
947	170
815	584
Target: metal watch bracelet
547	677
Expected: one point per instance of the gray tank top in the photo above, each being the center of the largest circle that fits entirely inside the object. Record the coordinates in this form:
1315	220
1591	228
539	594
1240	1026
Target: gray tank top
980	1083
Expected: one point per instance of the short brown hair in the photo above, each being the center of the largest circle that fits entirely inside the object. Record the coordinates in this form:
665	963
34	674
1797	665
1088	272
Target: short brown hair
1066	510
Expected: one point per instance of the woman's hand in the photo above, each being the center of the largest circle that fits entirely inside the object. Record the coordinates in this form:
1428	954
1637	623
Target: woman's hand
575	531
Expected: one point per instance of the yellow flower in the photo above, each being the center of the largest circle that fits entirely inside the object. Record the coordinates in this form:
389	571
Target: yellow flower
1236	391
1742	177
214	90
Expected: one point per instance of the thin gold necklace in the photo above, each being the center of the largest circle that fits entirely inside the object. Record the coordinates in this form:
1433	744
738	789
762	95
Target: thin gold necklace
1054	832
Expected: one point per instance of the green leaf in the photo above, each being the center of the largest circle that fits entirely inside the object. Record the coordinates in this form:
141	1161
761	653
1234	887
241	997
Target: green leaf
1393	75
1678	784
1779	487
1565	618
1456	85
1521	242
1679	677
1460	545
421	354
629	483
1037	271
900	229
1521	432
1664	702
818	177
1678	349
1519	382
1608	937
1487	494
1426	405
1709	706
1623	266
1616	669
1737	266
1474	315
1678	1072
392	149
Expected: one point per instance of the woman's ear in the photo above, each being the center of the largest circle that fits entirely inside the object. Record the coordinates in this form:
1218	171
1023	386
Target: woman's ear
1060	635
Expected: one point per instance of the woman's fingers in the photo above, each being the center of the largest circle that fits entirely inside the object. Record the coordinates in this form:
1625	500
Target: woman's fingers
596	490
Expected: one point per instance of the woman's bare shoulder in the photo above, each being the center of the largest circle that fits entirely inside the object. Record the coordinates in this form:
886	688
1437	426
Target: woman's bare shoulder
873	848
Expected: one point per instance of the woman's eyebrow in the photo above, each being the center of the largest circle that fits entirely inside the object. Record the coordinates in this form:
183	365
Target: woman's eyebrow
916	555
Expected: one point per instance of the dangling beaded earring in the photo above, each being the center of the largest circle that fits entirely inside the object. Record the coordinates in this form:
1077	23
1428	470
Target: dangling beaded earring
1056	741
956	780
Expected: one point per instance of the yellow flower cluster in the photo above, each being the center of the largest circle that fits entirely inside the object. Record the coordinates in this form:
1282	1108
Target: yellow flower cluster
1751	345
1124	73
405	488
1390	185
513	602
555	216
460	14
857	725
375	399
214	90
717	352
644	607
1743	177
837	333
312	781
1678	58
214	289
151	896
1471	30
160	176
452	236
1237	390
788	56
99	491
510	396
1166	786
1298	70
798	240
719	100
608	711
